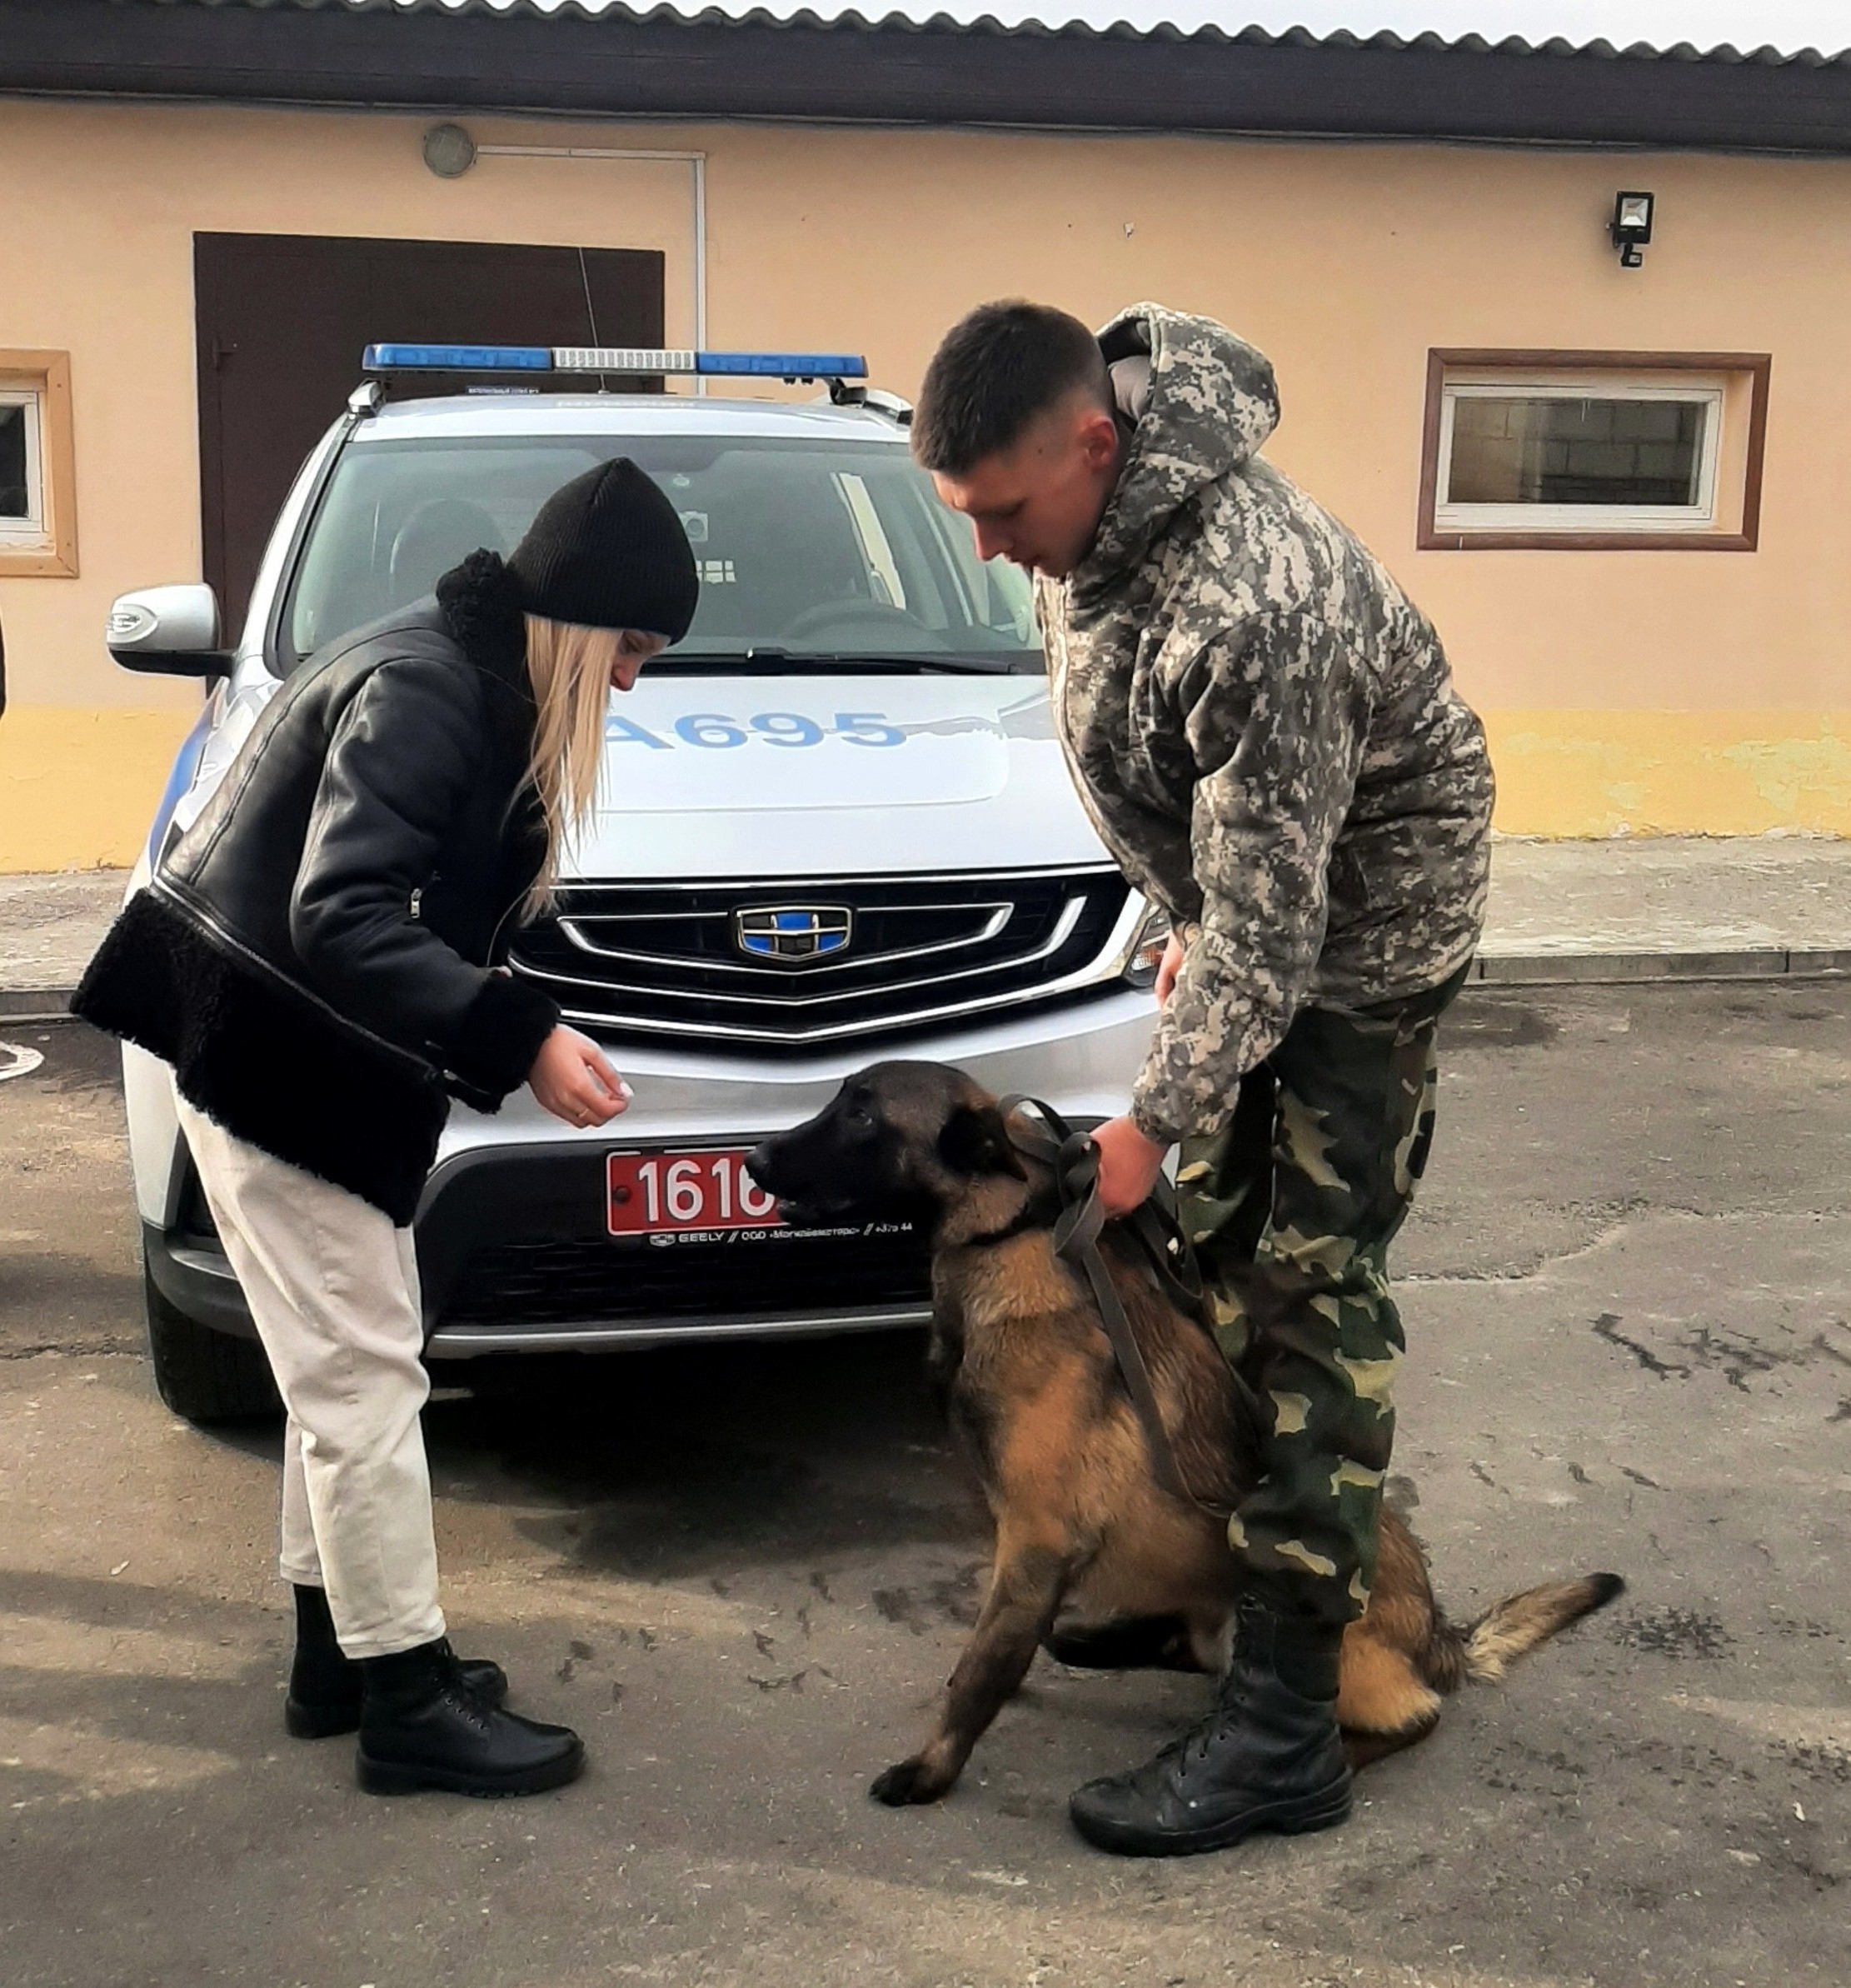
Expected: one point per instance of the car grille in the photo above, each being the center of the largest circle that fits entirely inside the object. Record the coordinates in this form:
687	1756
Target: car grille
760	964
592	1282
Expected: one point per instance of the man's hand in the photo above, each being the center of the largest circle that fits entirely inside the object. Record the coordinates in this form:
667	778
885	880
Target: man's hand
1128	1165
573	1079
1170	967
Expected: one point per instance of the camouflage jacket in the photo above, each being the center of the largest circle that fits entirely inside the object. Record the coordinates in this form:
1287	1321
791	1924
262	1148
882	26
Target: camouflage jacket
1262	727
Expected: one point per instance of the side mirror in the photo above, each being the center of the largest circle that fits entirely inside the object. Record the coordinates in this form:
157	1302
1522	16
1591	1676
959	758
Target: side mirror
168	630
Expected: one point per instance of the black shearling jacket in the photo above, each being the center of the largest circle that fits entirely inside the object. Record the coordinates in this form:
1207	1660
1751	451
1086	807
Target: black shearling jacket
315	956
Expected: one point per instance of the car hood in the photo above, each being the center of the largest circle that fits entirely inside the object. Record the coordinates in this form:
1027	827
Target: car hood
791	775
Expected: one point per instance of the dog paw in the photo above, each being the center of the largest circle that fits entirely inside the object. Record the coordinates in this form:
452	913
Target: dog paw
909	1782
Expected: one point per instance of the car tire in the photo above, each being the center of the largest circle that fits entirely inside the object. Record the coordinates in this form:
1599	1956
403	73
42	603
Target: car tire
205	1377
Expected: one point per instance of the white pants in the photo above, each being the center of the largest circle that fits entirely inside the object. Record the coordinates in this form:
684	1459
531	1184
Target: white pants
333	1289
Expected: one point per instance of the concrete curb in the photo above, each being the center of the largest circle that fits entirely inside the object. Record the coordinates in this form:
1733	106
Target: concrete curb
1564	969
36	1004
1493	970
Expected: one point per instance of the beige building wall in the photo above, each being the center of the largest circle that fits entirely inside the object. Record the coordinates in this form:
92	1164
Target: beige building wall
1626	691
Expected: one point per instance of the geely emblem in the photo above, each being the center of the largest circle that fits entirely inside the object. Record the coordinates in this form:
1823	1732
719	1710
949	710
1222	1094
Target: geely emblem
792	934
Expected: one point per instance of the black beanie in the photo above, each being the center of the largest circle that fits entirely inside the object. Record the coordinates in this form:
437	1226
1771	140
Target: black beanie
607	551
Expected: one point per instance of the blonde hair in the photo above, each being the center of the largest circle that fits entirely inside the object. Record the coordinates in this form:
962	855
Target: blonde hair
569	667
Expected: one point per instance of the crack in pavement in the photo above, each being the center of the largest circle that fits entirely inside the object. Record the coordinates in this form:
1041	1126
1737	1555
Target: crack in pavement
1631	1224
72	1349
1607	1328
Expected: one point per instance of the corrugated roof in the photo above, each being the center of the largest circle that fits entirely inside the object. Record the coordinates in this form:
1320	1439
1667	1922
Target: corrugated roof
1806	32
1356	72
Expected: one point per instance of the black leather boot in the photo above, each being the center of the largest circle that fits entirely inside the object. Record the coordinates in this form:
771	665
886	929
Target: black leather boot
422	1727
1268	1756
326	1686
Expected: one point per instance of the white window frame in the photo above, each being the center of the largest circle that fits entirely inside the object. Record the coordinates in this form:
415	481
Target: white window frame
1711	391
42	545
30	533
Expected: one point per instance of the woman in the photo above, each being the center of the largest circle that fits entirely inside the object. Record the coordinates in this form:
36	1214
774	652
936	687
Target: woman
319	959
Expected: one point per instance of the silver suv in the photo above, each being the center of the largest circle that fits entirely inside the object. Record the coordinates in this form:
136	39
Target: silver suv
835	826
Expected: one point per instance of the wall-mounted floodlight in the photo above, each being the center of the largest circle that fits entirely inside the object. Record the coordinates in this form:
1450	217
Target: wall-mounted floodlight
449	151
1632	227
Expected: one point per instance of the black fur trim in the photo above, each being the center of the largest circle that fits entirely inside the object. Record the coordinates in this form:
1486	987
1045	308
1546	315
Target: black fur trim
501	1035
487	612
267	1065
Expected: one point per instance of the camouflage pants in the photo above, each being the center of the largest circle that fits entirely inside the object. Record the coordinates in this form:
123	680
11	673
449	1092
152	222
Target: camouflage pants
1291	1210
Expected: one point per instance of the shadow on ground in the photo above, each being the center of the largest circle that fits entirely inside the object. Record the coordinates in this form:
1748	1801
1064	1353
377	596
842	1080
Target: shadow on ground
697	1461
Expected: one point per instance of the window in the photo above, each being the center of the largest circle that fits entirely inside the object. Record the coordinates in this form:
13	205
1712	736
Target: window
38	504
22	492
1648	456
1593	451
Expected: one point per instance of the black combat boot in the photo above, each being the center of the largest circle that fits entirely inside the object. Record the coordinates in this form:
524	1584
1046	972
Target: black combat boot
1268	1756
326	1686
422	1727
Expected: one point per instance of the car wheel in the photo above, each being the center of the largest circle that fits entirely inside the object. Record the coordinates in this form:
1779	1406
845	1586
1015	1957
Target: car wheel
204	1376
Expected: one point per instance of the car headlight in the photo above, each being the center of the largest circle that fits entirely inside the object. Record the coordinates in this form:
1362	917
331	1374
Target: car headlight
1147	949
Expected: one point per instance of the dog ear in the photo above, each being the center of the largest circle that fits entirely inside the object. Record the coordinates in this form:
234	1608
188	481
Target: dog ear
976	1141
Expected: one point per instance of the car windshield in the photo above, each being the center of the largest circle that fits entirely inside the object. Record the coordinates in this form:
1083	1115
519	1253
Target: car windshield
810	553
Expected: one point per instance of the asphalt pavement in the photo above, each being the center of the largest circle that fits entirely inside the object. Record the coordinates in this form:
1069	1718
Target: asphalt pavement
742	1573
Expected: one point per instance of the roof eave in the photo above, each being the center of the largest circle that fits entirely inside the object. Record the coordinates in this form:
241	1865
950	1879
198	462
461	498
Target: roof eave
664	68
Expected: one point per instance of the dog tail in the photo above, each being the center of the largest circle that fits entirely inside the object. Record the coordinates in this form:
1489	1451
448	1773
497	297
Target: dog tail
1483	1652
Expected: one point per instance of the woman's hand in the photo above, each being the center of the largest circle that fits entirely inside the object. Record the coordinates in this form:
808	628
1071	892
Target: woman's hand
1170	966
572	1077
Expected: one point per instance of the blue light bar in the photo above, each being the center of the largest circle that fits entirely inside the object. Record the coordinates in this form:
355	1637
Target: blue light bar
456	358
807	365
650	361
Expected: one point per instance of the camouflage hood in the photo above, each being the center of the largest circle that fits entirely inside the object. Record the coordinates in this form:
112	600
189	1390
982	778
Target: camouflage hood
1261	725
1202	401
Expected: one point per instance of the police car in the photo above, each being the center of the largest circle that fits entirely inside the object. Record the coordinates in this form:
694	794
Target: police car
834	825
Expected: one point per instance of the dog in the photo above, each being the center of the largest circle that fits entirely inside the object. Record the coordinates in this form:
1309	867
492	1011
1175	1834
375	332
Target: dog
1094	1561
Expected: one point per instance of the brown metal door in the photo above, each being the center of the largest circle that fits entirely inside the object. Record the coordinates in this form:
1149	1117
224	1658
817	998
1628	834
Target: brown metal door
282	320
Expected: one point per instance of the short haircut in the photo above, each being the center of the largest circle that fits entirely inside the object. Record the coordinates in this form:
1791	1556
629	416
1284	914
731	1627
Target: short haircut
996	371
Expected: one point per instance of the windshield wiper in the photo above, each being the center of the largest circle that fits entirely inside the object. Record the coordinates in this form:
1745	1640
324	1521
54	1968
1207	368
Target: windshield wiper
769	659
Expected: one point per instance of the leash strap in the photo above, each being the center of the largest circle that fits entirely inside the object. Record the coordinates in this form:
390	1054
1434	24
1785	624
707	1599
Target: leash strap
1074	1159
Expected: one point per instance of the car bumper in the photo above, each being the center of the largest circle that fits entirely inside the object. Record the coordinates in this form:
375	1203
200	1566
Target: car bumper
514	1252
192	1274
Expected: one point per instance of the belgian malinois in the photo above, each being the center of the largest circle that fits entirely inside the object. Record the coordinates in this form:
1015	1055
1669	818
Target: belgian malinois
1094	1559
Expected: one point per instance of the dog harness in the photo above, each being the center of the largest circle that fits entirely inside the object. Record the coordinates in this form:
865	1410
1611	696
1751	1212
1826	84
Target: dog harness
1077	1229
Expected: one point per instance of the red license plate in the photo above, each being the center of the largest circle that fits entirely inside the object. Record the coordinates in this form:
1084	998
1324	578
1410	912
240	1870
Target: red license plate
666	1194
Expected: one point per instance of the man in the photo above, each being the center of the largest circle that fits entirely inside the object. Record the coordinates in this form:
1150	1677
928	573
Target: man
1264	731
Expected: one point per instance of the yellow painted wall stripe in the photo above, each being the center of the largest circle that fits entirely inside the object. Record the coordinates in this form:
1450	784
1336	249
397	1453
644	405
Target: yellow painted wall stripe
78	788
1567	773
